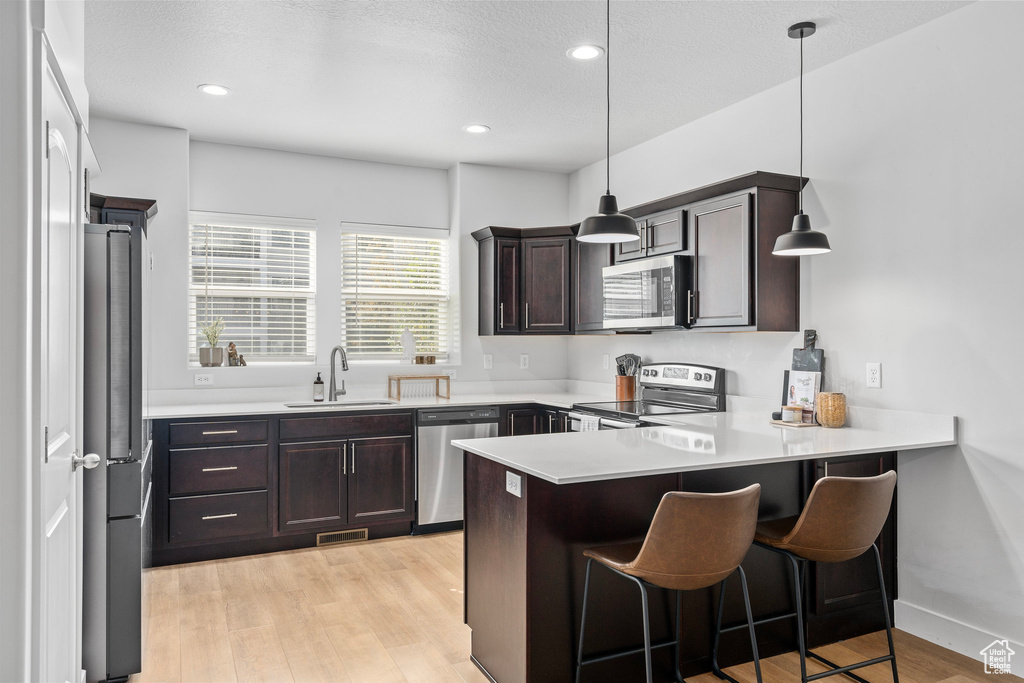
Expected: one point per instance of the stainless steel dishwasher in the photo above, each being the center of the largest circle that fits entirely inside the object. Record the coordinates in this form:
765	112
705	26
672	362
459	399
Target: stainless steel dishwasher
439	464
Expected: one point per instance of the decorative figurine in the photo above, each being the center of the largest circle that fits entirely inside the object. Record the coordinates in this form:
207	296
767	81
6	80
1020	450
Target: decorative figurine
408	346
241	360
232	355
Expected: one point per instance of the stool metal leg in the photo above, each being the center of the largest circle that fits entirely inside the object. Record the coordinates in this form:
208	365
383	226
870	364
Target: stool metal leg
885	609
583	619
797	591
750	624
679	635
647	631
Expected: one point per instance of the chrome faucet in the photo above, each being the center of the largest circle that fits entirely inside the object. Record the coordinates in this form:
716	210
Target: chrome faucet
332	392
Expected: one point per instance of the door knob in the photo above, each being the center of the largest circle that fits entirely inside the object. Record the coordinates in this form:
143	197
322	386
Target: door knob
88	461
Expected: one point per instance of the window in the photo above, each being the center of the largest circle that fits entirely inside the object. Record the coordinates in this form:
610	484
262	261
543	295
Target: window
393	279
258	274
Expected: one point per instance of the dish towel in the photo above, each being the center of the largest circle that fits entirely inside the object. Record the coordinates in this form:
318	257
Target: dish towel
590	423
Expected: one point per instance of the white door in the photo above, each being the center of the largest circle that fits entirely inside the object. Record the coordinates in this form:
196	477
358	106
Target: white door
60	555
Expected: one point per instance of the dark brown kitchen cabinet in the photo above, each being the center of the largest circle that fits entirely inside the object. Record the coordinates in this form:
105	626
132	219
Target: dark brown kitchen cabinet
380	480
721	232
313	486
588	301
843	586
661	233
500	273
546	285
551	421
519	421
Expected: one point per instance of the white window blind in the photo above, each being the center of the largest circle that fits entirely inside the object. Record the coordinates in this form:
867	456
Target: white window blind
259	275
391	280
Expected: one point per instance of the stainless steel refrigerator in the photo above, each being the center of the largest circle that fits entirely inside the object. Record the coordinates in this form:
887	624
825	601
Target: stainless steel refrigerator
116	494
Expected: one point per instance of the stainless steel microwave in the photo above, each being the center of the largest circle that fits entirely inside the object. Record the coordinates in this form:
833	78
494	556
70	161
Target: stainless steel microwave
649	294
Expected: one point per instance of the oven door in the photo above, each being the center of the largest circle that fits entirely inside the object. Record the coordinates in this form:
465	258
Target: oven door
586	422
649	294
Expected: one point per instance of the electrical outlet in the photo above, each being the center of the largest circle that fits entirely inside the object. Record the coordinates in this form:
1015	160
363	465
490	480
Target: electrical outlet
514	484
451	373
488	361
524	361
874	378
202	380
604	361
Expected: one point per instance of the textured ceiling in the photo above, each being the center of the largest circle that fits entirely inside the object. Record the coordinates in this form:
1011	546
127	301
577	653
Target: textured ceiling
396	80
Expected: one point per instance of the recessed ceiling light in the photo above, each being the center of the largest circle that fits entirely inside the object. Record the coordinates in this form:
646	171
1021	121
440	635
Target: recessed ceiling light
476	128
213	89
585	52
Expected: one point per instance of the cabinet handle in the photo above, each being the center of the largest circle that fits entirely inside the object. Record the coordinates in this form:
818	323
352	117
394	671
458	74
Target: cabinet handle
344	458
551	423
565	422
826	468
527	315
511	425
220	469
222	431
645	238
230	514
353	460
501	316
689	306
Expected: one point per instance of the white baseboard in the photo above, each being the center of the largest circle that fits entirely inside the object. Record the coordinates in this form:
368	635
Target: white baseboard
942	630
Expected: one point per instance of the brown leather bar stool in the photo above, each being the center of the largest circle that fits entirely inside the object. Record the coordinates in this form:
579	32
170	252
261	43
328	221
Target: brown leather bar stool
841	519
695	541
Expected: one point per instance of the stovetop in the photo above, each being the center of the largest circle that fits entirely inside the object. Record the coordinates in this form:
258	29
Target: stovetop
637	409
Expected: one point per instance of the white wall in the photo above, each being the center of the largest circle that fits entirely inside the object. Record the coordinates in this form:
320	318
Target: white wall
150	161
914	150
489	195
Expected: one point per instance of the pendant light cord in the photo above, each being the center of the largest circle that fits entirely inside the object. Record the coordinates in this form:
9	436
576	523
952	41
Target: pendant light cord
801	193
608	97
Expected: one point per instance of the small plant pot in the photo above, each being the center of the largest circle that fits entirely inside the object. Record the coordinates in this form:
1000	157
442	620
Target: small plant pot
211	357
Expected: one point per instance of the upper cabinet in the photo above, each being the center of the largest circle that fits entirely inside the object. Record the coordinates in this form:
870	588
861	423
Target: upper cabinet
661	233
527	279
720	234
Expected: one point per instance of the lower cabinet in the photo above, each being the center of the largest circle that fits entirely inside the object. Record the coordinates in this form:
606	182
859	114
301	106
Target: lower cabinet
227	486
522	420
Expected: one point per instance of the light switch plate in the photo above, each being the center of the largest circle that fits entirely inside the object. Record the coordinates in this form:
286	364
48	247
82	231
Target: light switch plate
874	377
604	361
524	361
202	380
514	484
488	361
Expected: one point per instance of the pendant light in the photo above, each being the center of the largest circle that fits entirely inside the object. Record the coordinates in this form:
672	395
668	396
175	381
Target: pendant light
801	240
608	226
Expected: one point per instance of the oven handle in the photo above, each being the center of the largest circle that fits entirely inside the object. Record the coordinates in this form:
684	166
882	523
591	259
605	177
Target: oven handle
618	424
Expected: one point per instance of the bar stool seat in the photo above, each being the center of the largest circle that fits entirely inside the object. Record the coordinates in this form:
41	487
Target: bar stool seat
840	521
695	541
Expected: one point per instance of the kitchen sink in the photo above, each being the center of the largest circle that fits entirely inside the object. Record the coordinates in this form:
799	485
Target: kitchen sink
349	403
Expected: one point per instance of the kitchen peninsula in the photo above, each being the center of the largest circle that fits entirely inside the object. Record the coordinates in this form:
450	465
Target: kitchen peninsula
534	503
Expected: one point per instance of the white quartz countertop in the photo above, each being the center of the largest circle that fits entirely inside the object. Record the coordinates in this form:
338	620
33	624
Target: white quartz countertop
707	441
558	399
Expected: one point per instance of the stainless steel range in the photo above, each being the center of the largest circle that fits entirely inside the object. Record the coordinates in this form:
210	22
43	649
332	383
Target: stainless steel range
665	389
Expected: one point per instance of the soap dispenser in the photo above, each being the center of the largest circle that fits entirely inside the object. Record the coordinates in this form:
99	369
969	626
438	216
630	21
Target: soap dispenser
318	389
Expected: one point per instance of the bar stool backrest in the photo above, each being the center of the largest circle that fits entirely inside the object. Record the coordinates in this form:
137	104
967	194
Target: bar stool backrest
842	517
697	539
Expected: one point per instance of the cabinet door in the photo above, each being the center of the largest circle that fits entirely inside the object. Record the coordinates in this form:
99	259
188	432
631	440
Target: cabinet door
546	285
520	421
380	480
629	251
312	490
842	585
507	283
720	234
549	421
665	233
589	296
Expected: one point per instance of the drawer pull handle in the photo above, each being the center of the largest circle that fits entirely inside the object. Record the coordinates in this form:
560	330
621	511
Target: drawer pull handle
219	469
230	514
223	431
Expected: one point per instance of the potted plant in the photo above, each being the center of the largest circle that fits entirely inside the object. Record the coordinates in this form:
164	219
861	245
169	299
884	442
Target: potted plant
212	355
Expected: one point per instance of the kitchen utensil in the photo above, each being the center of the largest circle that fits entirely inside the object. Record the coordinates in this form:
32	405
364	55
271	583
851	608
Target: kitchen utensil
625	388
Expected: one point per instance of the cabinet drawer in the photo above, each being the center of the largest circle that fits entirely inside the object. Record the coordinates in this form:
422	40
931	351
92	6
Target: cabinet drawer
217	432
204	470
200	518
349	425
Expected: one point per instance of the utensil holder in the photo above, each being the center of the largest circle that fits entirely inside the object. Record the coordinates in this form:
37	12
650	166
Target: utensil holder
625	388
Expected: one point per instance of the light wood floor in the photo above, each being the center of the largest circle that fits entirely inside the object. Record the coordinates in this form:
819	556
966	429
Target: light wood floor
382	611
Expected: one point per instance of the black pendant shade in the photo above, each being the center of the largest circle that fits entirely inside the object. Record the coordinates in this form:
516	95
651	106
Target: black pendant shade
608	225
801	240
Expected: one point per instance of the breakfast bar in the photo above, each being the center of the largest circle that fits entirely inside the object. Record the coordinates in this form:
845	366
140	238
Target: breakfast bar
534	503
